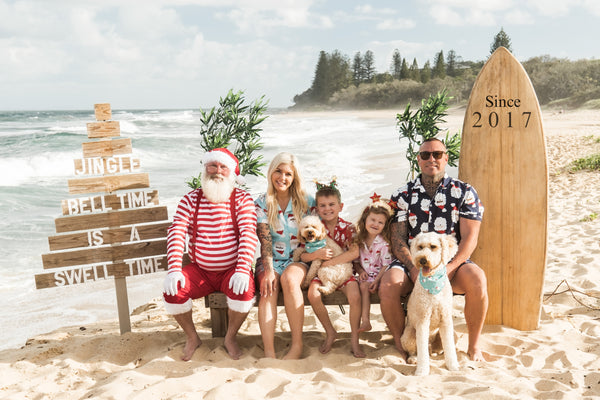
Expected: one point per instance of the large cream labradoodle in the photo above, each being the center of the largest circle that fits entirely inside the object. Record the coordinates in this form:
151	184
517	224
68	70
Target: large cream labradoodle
430	303
310	231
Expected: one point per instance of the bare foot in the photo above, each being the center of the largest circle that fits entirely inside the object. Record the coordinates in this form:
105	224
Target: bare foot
232	348
269	354
400	349
365	327
328	342
476	355
357	351
191	344
294	354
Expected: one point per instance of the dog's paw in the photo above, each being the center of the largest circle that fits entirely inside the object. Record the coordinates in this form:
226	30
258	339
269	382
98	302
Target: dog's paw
452	365
412	360
325	290
422	370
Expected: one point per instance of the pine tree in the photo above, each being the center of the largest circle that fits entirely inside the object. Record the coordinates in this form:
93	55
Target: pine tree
396	64
320	90
426	72
439	68
452	61
340	75
501	40
404	73
414	73
357	69
369	66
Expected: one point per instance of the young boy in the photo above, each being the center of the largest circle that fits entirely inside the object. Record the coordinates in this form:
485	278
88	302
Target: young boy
329	206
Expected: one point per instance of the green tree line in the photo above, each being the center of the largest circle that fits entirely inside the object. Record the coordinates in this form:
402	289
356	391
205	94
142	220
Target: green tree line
341	82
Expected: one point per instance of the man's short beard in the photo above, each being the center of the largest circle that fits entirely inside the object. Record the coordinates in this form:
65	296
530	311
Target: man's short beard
217	188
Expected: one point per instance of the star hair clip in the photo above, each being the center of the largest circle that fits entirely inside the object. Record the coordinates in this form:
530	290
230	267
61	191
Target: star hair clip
332	184
375	199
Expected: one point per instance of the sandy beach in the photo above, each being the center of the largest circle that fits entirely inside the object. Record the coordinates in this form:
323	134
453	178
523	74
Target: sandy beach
560	360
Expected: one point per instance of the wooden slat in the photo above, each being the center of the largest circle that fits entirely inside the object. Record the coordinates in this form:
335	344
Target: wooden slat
102	111
103	203
99	272
91	273
109	183
99	237
107	148
106	165
104	254
103	129
219	300
110	219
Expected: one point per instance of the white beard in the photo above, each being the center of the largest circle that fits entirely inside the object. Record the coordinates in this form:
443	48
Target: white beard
217	190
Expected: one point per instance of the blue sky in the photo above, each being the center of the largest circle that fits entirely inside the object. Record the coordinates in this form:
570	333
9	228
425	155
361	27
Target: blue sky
69	54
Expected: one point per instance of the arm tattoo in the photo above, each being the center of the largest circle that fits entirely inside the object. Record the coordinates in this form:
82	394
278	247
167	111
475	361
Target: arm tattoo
266	245
400	243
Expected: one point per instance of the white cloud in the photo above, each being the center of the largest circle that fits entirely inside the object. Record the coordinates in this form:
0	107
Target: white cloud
552	8
396	24
494	12
593	6
520	17
262	21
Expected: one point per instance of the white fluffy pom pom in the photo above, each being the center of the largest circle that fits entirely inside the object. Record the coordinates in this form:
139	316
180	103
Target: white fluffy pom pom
240	180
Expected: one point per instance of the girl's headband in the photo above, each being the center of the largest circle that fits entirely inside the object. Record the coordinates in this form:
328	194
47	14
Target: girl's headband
389	205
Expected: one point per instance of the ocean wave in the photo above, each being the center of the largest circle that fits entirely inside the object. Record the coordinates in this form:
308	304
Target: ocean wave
36	168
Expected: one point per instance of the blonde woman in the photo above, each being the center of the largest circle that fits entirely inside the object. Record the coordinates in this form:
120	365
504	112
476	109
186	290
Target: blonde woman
279	211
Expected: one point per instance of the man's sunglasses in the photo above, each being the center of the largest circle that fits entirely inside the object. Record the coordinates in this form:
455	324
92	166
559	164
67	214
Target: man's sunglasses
436	154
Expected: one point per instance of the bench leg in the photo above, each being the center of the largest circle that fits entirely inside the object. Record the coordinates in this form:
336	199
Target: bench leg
219	321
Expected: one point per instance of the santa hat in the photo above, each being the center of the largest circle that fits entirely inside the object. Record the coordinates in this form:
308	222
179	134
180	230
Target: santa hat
226	157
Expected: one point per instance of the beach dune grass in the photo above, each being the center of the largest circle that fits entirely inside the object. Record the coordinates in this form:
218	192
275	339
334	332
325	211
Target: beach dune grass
591	163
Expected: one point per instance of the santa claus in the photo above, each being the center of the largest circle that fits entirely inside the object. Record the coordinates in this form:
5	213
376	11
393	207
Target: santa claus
219	221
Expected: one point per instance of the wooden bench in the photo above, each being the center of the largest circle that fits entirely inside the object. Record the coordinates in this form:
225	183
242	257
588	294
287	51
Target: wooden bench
217	302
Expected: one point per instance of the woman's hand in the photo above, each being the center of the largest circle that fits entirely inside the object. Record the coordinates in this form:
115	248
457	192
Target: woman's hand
268	283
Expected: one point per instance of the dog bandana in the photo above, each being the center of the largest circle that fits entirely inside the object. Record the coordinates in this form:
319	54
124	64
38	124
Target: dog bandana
433	283
311	247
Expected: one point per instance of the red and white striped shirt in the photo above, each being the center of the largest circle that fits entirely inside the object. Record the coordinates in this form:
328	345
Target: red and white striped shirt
216	247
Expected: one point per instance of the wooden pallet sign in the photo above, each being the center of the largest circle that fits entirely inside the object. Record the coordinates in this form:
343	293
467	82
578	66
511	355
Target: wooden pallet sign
503	155
114	227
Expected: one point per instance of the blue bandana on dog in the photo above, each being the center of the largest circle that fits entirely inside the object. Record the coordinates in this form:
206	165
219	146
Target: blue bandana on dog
311	247
433	283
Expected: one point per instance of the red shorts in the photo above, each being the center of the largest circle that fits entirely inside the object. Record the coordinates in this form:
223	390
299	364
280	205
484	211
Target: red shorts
200	283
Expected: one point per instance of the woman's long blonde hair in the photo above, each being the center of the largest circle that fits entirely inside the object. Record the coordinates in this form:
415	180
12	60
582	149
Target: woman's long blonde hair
298	195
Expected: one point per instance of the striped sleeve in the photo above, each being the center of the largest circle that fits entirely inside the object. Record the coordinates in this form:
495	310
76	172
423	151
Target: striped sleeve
176	234
246	218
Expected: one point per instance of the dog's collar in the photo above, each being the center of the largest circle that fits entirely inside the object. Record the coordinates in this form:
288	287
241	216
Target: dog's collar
434	283
311	247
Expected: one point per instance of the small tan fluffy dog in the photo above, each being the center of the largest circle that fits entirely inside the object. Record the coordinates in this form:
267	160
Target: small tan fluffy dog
312	230
430	303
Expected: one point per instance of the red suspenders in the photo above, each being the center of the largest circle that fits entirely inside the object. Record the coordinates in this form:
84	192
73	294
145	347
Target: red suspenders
233	217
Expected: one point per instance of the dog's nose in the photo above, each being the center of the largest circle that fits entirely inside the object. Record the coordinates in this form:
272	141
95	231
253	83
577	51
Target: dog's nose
423	261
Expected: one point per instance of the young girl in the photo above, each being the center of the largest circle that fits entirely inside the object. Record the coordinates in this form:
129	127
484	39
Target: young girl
373	241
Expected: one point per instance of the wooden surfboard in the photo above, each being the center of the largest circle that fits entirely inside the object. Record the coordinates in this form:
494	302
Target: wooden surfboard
503	155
